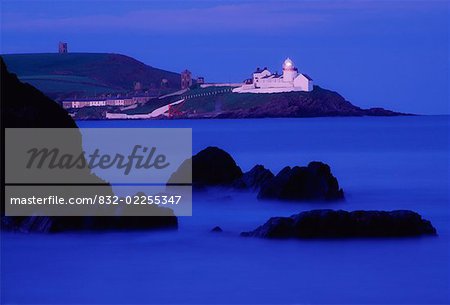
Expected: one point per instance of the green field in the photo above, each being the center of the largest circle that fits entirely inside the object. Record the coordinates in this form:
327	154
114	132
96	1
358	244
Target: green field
67	84
57	86
66	78
86	73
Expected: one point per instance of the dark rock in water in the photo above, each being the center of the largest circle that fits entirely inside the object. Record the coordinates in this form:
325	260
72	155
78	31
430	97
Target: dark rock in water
343	224
210	167
217	229
215	167
275	227
254	178
314	182
52	224
23	106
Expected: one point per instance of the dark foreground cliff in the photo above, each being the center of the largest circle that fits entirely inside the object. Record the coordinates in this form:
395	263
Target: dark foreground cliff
23	106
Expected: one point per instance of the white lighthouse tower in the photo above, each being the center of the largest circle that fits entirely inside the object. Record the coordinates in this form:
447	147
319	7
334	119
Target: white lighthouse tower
290	72
264	81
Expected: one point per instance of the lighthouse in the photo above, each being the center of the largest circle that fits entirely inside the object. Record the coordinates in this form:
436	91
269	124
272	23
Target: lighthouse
290	72
264	81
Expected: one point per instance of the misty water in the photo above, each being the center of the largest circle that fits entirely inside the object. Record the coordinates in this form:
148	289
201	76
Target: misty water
382	163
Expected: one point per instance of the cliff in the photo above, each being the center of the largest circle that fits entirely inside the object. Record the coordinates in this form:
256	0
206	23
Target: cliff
23	106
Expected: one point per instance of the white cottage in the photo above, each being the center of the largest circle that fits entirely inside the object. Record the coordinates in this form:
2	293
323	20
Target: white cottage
263	81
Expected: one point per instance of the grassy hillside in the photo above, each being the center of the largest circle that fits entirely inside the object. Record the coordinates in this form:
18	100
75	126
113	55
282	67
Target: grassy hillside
85	73
200	97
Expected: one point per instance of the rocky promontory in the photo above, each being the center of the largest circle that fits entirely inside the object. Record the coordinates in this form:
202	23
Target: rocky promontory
318	103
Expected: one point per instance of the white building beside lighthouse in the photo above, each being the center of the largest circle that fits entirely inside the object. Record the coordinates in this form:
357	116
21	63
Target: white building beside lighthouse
263	81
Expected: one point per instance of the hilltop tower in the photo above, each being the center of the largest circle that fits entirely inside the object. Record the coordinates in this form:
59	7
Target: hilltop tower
62	48
186	79
200	80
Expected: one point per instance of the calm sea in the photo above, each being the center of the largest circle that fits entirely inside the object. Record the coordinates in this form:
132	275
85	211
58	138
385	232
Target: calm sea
382	163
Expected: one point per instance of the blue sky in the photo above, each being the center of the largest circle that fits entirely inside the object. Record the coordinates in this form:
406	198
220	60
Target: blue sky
392	54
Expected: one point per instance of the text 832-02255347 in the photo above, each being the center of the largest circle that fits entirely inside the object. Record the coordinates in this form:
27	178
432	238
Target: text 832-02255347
141	199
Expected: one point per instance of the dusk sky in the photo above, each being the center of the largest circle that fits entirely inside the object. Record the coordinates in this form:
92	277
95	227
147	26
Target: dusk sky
392	54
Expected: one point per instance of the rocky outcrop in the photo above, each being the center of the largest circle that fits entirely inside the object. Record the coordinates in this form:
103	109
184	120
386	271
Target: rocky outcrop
23	106
314	182
343	224
215	167
254	178
216	229
210	167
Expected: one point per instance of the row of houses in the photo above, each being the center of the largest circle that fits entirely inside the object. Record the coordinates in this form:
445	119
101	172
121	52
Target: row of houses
105	101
